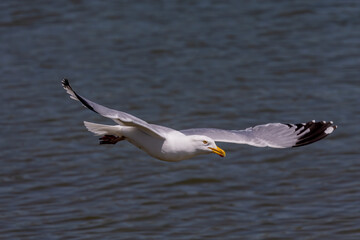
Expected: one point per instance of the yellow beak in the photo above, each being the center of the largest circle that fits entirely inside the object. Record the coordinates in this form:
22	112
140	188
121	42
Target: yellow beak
218	151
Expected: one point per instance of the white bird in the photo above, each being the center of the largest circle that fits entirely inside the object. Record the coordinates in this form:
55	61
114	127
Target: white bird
171	145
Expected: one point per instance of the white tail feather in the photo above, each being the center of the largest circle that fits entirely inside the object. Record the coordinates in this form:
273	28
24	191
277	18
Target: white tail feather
101	129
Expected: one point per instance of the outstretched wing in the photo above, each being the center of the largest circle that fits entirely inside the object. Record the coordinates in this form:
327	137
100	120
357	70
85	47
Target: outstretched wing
276	135
119	117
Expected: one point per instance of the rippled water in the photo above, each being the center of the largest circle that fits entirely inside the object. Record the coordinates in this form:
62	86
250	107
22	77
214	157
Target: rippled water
182	64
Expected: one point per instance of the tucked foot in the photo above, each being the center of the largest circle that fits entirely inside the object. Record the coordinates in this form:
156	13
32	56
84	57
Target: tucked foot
110	139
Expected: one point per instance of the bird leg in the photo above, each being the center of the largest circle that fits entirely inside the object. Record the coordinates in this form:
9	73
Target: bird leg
110	139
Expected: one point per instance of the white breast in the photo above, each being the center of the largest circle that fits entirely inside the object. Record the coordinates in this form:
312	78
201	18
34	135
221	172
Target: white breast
175	147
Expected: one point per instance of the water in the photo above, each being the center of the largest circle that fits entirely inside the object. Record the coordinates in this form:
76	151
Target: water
181	64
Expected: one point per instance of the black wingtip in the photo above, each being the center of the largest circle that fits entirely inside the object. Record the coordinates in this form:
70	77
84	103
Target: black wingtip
65	83
75	96
311	132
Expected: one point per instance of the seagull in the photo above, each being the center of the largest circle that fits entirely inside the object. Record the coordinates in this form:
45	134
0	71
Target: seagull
171	145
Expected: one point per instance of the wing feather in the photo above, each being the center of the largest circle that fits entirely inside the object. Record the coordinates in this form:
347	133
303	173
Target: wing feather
119	117
276	135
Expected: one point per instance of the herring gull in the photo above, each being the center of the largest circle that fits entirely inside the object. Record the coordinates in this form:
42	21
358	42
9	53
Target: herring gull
168	144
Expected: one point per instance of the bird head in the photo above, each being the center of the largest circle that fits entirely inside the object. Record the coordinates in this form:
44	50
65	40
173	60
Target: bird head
207	145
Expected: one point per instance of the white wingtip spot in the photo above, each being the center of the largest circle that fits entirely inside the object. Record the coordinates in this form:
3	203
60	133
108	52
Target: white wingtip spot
313	121
329	130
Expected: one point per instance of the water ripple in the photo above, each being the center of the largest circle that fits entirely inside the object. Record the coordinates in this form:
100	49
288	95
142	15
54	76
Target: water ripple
182	64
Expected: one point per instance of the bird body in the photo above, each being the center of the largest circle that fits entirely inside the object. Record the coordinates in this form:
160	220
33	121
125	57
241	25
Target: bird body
172	145
176	146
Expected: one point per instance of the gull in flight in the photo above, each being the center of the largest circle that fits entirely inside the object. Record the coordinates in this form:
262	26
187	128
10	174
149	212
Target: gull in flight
168	144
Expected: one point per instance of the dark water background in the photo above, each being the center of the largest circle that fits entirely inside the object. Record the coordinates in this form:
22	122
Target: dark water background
183	64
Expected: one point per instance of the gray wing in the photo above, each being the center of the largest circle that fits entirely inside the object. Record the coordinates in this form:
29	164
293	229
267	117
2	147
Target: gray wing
276	135
119	117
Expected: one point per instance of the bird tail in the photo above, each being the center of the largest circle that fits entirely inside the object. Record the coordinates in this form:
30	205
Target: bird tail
101	129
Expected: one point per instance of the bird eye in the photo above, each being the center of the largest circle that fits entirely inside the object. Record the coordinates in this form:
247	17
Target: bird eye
205	142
